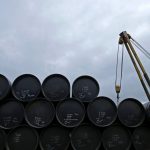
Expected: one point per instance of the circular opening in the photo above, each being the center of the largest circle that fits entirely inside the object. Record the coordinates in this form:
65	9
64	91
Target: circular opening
70	112
26	87
86	137
85	88
39	113
4	87
56	87
131	112
116	138
11	114
22	138
141	137
102	111
55	138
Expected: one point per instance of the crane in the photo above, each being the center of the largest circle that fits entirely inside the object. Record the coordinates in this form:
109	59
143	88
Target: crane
127	41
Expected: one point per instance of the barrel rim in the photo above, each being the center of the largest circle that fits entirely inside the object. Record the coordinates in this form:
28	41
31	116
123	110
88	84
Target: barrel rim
68	99
122	127
39	100
140	106
20	77
50	77
23	109
87	125
23	126
88	77
8	88
98	99
50	127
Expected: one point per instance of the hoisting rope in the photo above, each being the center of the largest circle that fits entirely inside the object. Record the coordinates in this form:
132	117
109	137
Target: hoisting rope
143	50
118	86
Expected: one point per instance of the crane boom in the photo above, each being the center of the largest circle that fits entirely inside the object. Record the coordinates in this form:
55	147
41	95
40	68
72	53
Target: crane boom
125	39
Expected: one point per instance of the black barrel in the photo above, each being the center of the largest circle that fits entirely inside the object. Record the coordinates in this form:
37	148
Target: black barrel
26	87
54	138
86	137
147	110
2	139
22	138
102	111
131	112
39	113
56	87
141	138
70	112
116	138
5	87
11	114
85	88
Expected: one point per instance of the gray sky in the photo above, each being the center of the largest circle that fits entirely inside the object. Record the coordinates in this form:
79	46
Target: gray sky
74	38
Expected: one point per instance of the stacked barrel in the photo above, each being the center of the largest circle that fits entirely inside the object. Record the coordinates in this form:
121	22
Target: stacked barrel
56	116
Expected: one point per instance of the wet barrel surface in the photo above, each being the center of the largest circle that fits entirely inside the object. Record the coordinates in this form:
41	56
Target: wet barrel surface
86	137
116	138
85	88
2	140
102	111
11	114
54	138
56	87
131	112
26	87
70	112
22	138
141	138
4	87
39	113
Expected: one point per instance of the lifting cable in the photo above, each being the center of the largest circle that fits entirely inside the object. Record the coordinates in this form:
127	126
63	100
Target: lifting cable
118	86
143	50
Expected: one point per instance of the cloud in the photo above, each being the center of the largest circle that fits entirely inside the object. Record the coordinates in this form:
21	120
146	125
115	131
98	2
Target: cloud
72	37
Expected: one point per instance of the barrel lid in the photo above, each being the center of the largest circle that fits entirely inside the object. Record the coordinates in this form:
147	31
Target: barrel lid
102	111
55	137
85	88
11	114
86	137
141	137
70	112
56	87
39	113
4	87
116	138
131	112
22	138
26	87
2	139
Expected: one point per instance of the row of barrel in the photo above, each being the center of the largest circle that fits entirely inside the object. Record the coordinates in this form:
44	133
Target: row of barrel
71	112
83	137
55	87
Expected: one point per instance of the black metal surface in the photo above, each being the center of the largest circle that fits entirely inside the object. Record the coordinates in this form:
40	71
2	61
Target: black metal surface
131	112
70	112
102	111
116	138
2	139
54	138
85	88
141	138
56	87
11	114
22	138
86	137
5	87
39	113
26	87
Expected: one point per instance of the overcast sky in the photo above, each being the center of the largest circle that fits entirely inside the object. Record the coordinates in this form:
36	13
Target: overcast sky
73	38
